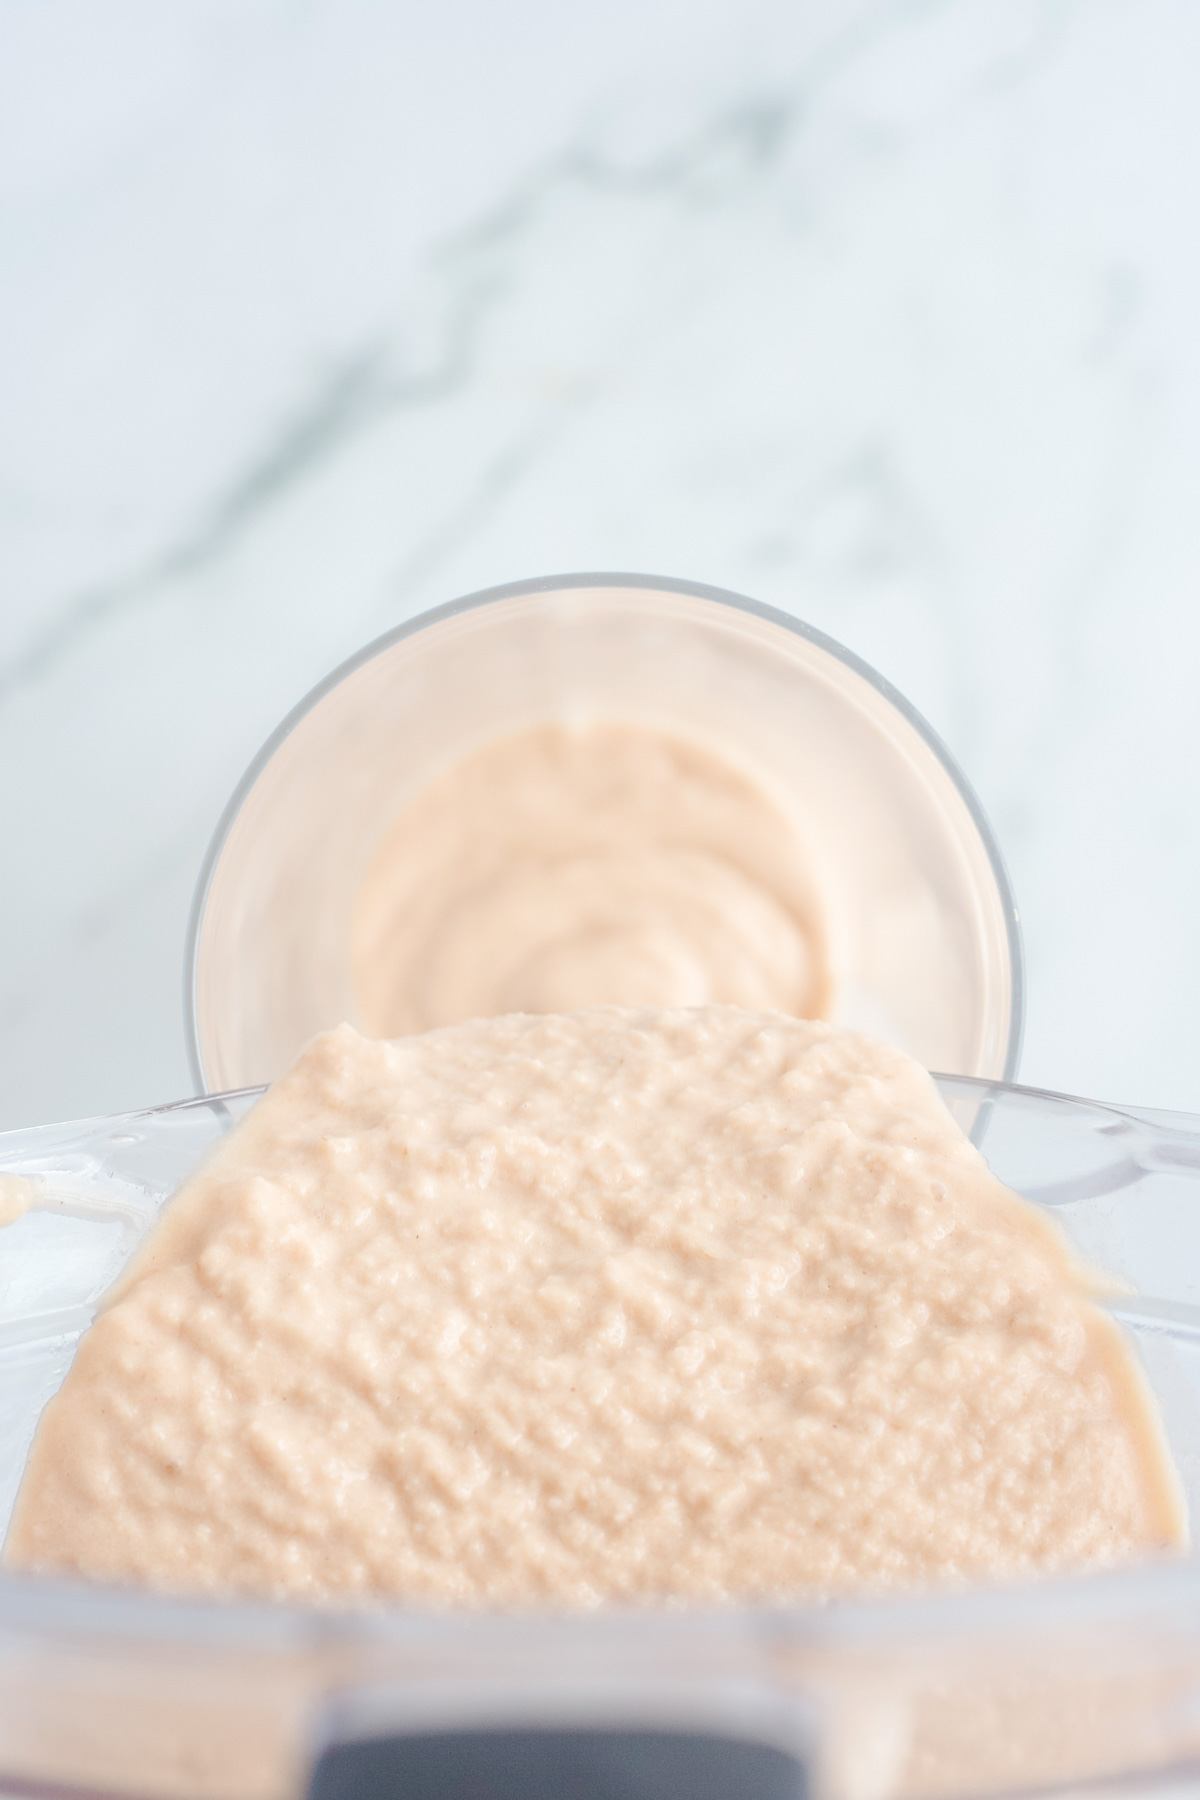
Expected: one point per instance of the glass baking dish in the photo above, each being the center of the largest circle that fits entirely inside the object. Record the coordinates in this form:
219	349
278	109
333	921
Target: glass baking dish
924	942
1063	1686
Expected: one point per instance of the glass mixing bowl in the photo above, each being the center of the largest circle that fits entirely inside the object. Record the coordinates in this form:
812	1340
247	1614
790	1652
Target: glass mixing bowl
1076	1687
923	929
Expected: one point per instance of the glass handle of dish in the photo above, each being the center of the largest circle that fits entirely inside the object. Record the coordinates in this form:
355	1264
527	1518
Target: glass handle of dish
524	1764
1168	1142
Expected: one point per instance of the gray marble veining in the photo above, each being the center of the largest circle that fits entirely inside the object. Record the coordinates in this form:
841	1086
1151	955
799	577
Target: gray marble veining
881	313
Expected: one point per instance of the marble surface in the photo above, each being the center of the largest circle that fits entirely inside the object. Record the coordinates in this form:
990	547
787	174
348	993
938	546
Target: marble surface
316	315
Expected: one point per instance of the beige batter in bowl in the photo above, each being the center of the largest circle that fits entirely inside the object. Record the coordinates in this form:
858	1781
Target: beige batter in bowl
923	936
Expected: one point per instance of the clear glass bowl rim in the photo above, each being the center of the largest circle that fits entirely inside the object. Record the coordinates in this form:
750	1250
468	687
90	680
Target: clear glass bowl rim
582	581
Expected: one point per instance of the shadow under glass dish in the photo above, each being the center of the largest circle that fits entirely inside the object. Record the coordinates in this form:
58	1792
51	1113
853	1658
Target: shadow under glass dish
923	931
977	1693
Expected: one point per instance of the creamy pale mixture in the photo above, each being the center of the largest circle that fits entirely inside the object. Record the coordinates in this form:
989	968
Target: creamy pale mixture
18	1195
618	1305
598	864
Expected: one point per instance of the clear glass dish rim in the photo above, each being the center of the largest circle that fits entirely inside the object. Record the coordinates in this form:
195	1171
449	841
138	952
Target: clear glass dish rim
582	580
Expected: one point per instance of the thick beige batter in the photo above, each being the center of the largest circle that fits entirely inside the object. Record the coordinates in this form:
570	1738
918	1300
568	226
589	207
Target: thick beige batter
607	1306
569	866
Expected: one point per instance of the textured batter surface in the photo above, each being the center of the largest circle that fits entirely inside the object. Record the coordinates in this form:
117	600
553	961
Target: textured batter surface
612	1305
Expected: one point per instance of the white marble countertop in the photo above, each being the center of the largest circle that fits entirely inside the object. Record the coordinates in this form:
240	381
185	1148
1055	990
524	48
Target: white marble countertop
314	316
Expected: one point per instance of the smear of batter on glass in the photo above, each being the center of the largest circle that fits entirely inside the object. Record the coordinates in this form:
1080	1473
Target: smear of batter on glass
19	1194
621	1305
609	863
